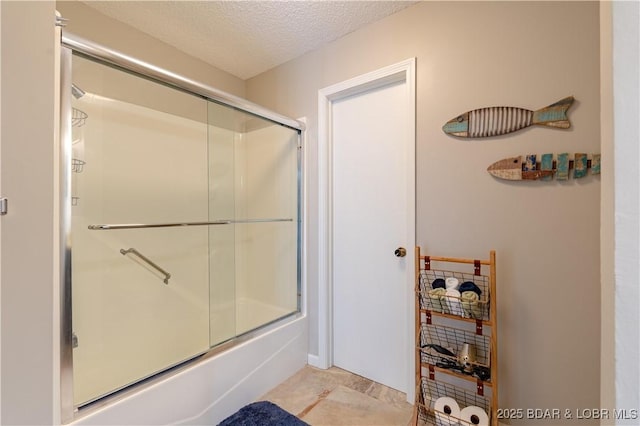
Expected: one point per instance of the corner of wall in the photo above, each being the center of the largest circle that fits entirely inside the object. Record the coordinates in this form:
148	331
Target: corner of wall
626	108
607	228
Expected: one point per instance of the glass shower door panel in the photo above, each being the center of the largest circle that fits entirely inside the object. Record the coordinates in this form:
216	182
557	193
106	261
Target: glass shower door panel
267	289
140	296
265	221
253	172
222	258
129	323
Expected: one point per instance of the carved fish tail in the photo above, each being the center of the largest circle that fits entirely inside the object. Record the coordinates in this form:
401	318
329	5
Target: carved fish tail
555	115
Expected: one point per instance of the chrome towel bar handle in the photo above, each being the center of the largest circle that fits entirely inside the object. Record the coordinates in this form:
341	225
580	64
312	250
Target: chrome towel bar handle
148	261
104	227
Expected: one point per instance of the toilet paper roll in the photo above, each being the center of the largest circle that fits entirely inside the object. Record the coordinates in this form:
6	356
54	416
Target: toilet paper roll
451	282
473	415
447	411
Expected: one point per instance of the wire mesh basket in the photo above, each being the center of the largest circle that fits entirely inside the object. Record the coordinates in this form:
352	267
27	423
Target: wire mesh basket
77	166
466	305
78	117
458	350
430	391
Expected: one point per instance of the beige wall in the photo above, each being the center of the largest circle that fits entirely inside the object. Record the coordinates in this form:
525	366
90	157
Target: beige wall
471	55
30	363
87	22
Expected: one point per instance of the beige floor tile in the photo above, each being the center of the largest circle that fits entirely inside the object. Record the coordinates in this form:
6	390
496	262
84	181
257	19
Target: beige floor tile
305	387
301	390
388	395
337	397
345	406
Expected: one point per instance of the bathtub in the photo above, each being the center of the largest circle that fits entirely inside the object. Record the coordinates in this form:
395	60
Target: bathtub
210	389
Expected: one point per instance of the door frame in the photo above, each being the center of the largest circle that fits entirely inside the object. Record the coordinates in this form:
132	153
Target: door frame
404	71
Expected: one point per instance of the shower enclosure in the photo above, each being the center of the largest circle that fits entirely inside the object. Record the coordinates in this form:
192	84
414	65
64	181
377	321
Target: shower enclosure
182	224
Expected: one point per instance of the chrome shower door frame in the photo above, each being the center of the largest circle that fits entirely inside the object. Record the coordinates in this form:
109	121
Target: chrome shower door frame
71	44
67	408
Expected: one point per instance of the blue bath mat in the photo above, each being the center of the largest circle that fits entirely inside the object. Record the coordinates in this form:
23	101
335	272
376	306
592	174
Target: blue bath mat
262	413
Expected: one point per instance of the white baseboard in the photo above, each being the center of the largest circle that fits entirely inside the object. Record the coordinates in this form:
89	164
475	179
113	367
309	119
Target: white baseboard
313	360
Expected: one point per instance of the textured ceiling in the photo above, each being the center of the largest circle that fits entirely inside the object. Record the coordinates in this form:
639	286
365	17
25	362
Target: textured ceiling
246	38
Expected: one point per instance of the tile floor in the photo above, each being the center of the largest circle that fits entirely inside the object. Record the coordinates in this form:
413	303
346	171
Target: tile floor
336	397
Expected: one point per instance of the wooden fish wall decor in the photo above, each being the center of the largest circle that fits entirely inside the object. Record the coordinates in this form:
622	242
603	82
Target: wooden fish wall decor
515	169
496	121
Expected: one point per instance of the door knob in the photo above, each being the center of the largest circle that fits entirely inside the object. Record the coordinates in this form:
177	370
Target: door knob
400	252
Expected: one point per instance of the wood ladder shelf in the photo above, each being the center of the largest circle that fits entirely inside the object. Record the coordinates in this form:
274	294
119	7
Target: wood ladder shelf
449	325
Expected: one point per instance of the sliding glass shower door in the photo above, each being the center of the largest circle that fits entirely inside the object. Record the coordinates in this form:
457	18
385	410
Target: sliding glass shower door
184	226
253	185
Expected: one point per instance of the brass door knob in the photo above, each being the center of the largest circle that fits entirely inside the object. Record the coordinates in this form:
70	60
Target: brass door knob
400	252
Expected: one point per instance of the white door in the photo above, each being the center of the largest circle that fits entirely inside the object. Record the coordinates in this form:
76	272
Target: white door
372	175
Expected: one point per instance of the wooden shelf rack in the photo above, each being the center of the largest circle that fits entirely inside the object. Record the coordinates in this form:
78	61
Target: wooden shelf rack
444	327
